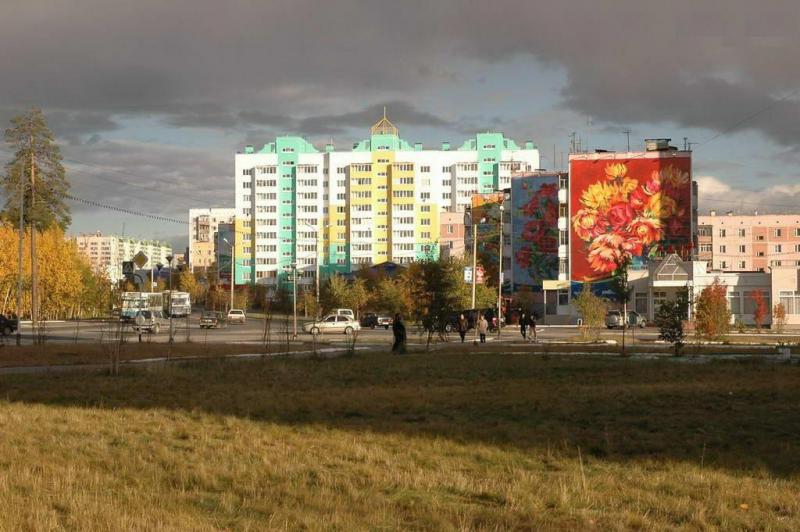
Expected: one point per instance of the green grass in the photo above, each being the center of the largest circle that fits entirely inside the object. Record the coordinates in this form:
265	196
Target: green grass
438	441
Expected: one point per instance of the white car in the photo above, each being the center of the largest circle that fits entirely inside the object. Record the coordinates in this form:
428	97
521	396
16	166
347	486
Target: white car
344	312
333	323
236	315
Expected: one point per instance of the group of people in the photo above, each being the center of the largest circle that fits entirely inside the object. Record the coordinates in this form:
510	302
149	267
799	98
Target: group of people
527	327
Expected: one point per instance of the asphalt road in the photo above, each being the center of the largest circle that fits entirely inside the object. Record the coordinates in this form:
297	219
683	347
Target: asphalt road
253	332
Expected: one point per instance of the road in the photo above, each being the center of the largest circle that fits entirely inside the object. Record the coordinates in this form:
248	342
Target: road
253	332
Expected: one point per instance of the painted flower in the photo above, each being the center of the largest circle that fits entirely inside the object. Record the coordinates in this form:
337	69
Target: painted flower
633	246
620	215
638	198
587	224
523	257
646	230
674	177
653	186
616	171
606	252
597	196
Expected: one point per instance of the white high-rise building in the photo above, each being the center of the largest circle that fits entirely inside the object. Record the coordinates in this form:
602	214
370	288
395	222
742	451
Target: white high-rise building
106	253
378	202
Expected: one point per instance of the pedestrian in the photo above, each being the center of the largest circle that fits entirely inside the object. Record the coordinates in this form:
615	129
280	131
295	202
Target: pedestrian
399	332
532	327
463	327
523	325
483	327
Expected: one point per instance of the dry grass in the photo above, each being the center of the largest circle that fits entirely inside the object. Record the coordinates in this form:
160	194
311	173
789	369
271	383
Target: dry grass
438	441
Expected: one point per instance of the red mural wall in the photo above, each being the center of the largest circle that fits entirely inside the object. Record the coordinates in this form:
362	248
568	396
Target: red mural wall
636	208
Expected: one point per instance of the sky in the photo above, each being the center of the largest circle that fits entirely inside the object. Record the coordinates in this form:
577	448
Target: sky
150	100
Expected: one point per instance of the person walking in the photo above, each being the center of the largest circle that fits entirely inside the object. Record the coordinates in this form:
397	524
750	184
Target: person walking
463	326
399	332
523	325
532	327
483	328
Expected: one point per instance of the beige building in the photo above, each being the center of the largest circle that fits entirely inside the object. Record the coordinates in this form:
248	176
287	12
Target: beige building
750	242
451	234
203	225
106	253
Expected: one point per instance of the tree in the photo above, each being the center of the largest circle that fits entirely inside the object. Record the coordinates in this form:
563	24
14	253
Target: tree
712	314
669	320
391	296
779	317
592	310
622	291
35	149
761	309
440	293
187	282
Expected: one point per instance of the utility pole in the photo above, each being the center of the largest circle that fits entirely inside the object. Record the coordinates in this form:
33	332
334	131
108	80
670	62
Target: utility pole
20	272
500	275
628	136
34	288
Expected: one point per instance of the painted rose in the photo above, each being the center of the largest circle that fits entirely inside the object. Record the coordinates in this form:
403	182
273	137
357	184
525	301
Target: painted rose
587	224
620	215
653	186
606	252
646	230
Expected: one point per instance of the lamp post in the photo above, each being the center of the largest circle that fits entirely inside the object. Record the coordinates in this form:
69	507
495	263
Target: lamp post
316	260
294	300
169	305
233	261
500	276
474	225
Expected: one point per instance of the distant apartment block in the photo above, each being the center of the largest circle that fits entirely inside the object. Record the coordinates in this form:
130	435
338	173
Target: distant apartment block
749	242
106	253
380	201
203	226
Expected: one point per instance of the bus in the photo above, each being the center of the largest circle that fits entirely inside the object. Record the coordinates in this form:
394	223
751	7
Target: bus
133	302
177	303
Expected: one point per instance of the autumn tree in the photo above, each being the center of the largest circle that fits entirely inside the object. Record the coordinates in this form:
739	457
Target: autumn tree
779	317
761	309
35	154
592	310
712	315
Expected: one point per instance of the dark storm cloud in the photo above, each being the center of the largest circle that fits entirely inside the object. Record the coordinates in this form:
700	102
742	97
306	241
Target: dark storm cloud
202	63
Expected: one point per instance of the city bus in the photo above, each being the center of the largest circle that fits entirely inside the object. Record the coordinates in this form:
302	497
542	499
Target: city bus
181	304
133	302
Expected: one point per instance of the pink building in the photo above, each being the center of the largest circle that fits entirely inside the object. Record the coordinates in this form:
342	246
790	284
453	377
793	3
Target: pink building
451	234
750	242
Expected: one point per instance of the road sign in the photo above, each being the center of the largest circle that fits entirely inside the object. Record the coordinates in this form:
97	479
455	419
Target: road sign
127	267
468	275
140	259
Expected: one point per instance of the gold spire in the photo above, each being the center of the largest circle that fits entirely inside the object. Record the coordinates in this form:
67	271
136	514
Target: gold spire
383	126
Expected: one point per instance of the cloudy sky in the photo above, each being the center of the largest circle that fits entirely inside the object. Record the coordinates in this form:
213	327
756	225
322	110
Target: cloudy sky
151	99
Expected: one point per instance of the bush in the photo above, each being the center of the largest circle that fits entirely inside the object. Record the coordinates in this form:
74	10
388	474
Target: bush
669	320
592	310
712	314
779	317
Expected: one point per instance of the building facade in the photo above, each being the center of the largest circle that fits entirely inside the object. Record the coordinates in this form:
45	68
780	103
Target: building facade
381	201
749	242
106	253
203	225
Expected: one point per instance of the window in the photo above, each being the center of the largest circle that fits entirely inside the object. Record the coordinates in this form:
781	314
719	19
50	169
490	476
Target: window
425	208
563	268
659	298
640	303
562	210
563	238
797	231
797	248
426	235
563	182
722	249
563	297
425	169
247	184
778	232
425	221
760	237
778	248
446	169
705	248
742	232
723	264
722	232
734	303
450	229
704	230
742	249
742	265
759	254
790	300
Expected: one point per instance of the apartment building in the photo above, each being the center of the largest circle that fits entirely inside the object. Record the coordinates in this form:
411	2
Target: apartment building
380	201
749	242
106	253
203	225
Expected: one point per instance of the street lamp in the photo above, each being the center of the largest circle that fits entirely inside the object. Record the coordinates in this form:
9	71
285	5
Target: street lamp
474	263
169	305
233	261
500	276
316	259
294	299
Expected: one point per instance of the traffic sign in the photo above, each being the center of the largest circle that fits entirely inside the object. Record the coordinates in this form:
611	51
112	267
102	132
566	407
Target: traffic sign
127	267
140	259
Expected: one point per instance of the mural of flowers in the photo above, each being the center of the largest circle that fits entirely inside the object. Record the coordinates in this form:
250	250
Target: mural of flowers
620	216
535	227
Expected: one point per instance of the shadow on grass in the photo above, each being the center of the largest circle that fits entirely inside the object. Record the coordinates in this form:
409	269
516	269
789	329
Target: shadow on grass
737	416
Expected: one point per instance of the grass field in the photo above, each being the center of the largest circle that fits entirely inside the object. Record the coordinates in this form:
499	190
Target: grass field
444	441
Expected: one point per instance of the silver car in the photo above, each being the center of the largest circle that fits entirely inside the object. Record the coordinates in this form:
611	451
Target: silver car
149	321
333	323
614	319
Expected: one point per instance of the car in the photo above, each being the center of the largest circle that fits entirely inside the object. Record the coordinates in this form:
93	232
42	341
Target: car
332	323
210	319
236	315
8	325
149	321
344	312
614	319
373	320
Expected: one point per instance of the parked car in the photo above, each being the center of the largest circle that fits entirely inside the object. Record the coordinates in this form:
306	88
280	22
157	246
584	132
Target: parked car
210	319
8	325
614	319
236	315
344	312
373	320
333	323
149	321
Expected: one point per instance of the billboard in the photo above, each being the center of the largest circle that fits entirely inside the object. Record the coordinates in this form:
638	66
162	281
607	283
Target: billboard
638	208
486	214
534	226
